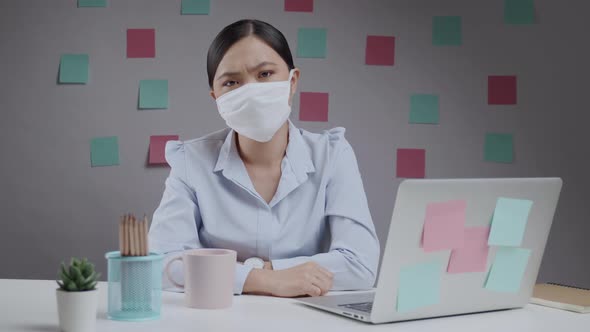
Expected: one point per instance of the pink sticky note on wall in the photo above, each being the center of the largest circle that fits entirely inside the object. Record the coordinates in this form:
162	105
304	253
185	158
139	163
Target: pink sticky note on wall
380	50
501	90
473	257
157	148
141	43
444	225
411	163
313	106
299	6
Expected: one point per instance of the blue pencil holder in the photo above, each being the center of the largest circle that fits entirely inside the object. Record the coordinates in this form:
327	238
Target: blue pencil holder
134	286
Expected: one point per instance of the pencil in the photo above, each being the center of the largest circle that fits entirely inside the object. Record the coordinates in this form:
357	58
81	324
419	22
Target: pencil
140	235
133	237
125	235
129	237
146	233
136	232
121	242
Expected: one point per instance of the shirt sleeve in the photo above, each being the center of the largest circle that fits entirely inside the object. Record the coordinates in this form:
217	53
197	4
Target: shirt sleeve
176	222
354	250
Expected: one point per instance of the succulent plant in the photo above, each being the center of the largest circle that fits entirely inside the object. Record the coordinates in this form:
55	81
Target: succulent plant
79	276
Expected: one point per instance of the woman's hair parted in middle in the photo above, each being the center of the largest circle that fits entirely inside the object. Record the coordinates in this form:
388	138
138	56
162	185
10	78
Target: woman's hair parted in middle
234	32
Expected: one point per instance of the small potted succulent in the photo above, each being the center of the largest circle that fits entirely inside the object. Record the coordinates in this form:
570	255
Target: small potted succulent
77	296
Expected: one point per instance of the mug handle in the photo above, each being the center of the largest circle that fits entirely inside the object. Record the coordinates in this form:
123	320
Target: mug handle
167	269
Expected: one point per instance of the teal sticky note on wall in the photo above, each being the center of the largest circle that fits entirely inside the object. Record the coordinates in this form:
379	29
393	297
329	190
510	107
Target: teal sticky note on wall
73	68
92	3
499	148
104	151
519	11
419	286
195	7
508	269
447	31
311	42
153	94
424	109
509	221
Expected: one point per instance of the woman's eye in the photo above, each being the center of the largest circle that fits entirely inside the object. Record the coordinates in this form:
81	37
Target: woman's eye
265	74
230	83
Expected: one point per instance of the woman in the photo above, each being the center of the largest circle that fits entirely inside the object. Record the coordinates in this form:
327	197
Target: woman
264	188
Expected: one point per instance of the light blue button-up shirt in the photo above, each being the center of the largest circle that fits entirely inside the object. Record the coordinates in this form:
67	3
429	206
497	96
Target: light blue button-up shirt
318	213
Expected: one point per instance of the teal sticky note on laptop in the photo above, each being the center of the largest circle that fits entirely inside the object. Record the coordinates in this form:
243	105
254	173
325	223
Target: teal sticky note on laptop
509	221
508	269
73	68
419	286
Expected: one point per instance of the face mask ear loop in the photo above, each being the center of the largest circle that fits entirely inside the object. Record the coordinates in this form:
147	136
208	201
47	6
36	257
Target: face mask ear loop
291	72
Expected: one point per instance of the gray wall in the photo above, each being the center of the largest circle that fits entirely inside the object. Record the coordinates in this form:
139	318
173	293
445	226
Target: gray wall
54	205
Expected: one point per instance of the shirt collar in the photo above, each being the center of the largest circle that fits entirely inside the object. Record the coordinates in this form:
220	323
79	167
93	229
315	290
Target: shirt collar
297	152
227	146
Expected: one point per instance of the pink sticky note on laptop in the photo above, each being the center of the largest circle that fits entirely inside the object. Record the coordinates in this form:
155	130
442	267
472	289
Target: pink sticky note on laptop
157	148
444	225
473	257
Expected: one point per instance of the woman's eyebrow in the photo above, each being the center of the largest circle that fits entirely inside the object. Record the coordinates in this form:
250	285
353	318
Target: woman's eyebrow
234	73
260	65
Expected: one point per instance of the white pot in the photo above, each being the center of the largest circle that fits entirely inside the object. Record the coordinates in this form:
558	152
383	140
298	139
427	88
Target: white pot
77	310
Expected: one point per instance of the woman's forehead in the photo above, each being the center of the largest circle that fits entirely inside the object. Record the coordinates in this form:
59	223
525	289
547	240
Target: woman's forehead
248	53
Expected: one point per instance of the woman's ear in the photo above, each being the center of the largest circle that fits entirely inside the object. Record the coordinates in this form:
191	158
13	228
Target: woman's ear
212	94
294	81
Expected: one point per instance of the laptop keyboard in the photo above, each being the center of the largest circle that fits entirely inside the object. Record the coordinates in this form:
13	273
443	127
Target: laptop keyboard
362	306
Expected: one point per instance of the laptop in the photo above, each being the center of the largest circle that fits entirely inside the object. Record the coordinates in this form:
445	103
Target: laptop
454	293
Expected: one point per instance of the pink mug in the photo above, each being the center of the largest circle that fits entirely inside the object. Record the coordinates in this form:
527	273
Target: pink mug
208	277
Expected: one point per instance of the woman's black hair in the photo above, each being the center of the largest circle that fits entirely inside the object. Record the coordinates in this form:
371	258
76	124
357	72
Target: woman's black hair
234	32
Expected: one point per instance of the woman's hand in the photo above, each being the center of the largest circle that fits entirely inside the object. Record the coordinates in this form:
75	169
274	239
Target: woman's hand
305	279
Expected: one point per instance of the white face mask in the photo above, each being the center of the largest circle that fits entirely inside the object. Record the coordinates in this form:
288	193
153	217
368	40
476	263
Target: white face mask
257	110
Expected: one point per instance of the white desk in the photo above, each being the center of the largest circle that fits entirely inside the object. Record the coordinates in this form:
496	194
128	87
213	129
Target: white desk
30	305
